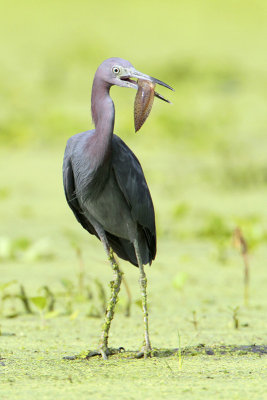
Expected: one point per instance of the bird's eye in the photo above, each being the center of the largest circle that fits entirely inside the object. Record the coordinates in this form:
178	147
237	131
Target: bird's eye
116	70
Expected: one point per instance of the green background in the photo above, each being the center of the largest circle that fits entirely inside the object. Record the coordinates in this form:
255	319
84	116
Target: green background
204	158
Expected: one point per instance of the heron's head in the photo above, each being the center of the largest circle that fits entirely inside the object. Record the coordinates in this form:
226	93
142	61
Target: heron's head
119	72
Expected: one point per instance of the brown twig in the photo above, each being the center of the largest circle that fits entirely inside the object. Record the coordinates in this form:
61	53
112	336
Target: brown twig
240	242
25	300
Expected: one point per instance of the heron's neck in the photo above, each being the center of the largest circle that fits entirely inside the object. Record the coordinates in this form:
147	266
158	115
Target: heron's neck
103	117
102	107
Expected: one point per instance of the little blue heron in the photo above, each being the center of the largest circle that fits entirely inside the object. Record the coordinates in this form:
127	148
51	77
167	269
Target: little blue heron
106	189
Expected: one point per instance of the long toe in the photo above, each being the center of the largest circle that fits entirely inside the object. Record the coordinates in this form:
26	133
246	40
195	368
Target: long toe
145	352
93	353
105	353
100	352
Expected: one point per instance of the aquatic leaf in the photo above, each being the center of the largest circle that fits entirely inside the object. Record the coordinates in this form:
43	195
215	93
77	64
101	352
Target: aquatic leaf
39	302
3	286
138	303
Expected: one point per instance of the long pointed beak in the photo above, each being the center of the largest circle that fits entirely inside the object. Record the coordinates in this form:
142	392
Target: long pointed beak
133	73
140	75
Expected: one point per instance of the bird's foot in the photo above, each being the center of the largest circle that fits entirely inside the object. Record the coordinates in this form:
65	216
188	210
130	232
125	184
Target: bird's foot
105	352
145	352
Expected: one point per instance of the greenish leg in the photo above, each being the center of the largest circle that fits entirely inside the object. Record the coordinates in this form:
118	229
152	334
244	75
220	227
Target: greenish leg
115	288
103	349
146	350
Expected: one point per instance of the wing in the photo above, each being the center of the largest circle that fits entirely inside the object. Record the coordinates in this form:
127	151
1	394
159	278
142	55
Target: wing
69	188
122	248
132	183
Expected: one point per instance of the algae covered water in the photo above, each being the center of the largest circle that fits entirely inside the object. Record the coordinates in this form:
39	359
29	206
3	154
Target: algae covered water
204	158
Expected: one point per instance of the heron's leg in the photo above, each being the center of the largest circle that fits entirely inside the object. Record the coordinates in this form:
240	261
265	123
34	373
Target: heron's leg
146	351
115	288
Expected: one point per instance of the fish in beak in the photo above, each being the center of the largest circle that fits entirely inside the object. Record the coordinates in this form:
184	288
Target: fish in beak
144	98
143	102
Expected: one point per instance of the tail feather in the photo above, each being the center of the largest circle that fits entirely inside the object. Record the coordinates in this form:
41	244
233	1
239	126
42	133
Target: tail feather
125	249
